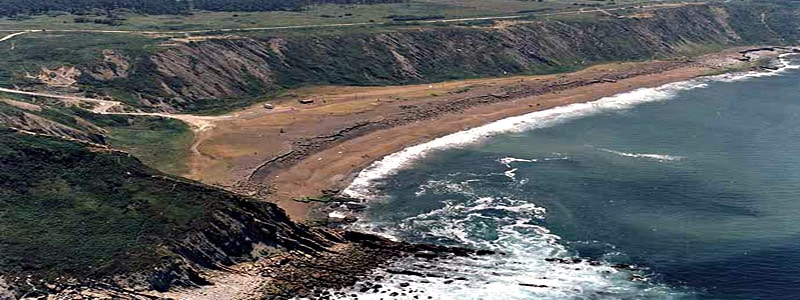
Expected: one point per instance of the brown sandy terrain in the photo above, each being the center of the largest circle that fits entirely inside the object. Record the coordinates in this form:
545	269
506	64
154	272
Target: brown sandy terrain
298	150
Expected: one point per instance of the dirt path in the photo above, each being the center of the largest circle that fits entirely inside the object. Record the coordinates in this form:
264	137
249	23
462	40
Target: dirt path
11	36
297	150
606	11
105	107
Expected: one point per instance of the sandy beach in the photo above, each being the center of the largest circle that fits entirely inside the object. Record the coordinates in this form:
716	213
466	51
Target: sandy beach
298	150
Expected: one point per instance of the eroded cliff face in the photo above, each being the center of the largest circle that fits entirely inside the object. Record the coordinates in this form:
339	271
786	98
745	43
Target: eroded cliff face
82	216
210	73
215	69
82	222
35	119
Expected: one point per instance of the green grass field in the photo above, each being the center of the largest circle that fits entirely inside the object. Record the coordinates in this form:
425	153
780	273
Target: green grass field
313	15
160	143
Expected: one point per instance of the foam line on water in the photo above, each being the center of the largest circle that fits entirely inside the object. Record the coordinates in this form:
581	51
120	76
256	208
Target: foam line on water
660	157
509	160
522	273
390	164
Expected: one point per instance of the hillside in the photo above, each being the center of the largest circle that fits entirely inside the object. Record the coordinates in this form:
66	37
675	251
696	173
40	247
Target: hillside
80	212
158	142
218	73
91	202
81	221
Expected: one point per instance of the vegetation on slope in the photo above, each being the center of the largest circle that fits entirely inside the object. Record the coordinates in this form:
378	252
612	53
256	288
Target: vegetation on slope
269	62
159	142
219	73
15	7
69	210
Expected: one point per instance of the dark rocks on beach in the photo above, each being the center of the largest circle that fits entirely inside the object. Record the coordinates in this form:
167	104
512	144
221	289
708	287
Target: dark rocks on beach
355	206
624	267
426	254
301	274
405	272
573	260
305	147
487	252
534	285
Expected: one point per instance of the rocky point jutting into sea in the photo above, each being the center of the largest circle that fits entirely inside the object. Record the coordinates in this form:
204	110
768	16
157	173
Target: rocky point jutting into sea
682	191
644	153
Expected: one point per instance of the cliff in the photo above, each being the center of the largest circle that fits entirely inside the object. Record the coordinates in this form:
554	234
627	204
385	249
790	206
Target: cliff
81	220
225	72
77	212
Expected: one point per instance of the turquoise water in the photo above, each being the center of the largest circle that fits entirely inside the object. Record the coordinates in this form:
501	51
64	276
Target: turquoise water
696	184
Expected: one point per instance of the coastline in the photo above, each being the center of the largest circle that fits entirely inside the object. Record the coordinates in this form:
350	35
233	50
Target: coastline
333	166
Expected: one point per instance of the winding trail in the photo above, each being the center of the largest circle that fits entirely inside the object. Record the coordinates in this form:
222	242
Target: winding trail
11	36
104	107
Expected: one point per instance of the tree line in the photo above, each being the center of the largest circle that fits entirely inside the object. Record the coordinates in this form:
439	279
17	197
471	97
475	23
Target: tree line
33	7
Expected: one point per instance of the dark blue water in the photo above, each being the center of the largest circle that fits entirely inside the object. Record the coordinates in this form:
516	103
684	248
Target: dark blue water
701	191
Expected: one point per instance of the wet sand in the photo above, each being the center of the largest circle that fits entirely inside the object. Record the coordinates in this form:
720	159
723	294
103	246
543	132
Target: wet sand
233	151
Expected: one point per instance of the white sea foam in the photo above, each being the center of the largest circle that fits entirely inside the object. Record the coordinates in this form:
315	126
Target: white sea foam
390	164
509	160
660	157
521	273
515	224
511	173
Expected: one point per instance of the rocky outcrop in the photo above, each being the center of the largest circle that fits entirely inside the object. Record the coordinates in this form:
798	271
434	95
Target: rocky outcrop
81	216
214	69
92	221
113	66
36	124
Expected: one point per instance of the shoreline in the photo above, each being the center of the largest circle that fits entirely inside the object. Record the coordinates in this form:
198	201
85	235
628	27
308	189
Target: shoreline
350	159
335	162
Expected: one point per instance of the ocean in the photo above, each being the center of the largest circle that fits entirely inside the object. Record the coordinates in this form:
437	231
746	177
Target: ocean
689	190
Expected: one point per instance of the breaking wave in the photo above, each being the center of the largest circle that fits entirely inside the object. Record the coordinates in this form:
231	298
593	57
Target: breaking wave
660	157
362	186
536	265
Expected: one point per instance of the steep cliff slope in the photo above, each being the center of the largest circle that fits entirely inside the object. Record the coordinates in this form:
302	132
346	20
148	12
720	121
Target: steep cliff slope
80	221
159	142
219	72
232	71
69	211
